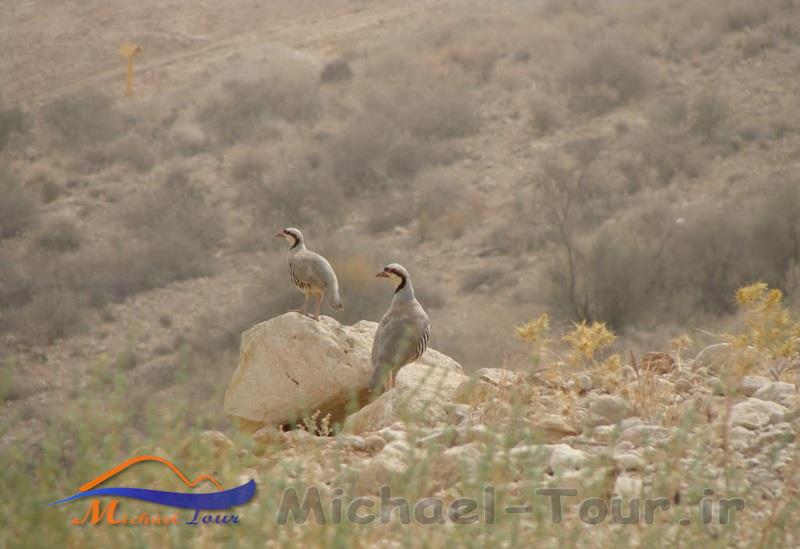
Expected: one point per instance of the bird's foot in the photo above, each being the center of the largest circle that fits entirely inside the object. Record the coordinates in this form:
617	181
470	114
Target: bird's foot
302	312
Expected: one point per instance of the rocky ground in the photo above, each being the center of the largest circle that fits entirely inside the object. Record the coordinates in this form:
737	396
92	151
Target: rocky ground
696	440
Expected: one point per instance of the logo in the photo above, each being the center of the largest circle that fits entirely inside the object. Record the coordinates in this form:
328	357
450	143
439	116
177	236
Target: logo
199	502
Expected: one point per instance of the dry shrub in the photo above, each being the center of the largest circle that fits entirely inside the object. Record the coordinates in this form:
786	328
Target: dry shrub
133	150
297	195
652	268
476	56
607	76
18	208
487	279
337	70
60	234
53	314
248	109
545	114
710	112
445	206
12	120
737	15
80	121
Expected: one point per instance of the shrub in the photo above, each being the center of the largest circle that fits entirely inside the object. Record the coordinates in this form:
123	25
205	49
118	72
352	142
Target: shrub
710	112
607	77
337	70
545	116
490	278
51	315
18	208
60	234
11	120
248	109
51	191
85	120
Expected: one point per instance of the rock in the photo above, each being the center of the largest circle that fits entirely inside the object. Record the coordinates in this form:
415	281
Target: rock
268	435
473	391
421	396
644	435
445	436
605	433
741	438
566	458
457	413
217	442
374	443
472	433
291	366
552	428
455	464
385	467
584	383
354	442
610	407
498	377
629	462
777	391
755	413
529	457
750	384
628	486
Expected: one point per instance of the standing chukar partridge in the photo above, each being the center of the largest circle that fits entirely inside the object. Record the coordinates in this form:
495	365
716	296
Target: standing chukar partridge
310	272
403	333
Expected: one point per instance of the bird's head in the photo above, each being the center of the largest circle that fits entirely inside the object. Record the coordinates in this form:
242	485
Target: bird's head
291	235
396	273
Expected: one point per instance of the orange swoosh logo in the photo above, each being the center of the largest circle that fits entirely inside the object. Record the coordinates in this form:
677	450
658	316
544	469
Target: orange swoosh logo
132	461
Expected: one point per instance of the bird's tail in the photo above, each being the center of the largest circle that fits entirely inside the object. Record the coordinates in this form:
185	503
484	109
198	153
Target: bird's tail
335	300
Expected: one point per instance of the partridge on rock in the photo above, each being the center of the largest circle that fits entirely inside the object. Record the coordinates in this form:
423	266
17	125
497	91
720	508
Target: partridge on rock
310	272
403	333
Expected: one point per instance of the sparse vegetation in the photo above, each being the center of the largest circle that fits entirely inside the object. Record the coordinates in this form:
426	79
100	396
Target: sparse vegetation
18	208
60	234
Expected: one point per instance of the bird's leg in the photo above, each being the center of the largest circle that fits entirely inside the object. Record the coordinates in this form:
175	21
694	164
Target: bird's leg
302	310
319	305
391	380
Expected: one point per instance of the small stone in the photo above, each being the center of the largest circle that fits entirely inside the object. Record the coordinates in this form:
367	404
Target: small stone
755	413
777	391
374	443
628	486
584	383
629	462
605	433
750	384
352	441
610	407
268	435
644	435
565	458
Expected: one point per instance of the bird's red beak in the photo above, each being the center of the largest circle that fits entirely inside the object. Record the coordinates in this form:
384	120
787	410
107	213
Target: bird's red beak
382	274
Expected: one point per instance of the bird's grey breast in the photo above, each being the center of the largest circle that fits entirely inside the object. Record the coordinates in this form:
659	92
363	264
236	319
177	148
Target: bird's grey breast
402	336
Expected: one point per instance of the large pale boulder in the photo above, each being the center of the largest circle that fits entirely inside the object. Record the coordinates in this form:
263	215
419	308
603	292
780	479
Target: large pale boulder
422	394
291	366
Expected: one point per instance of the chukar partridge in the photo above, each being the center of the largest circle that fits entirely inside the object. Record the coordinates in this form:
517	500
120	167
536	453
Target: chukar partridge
403	333
310	272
